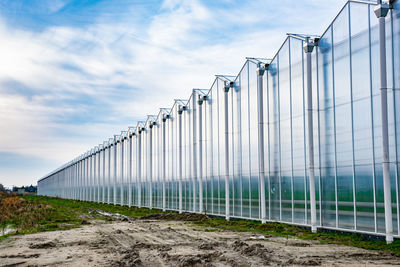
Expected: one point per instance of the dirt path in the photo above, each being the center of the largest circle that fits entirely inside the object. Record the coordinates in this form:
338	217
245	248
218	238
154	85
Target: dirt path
168	243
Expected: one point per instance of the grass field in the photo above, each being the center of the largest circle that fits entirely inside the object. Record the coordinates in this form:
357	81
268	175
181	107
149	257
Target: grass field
31	214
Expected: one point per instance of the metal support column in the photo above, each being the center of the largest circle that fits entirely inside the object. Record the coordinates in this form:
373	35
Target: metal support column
164	161
115	168
150	162
87	181
180	111
130	169
200	111
104	172
86	177
308	48
99	174
194	157
261	157
109	172
381	11
139	168
122	173
92	175
226	123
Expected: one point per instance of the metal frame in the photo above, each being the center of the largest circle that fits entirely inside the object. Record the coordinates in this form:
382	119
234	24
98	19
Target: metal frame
96	174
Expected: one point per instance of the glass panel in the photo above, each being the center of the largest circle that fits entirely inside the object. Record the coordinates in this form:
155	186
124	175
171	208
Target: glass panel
326	130
253	133
274	156
298	131
343	121
245	140
285	137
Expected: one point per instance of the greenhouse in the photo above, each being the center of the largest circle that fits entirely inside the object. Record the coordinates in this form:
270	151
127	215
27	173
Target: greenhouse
310	137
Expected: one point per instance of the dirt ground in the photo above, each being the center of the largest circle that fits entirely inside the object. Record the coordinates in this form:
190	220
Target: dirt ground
153	242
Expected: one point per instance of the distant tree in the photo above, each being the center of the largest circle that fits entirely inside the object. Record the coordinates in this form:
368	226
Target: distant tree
2	188
31	189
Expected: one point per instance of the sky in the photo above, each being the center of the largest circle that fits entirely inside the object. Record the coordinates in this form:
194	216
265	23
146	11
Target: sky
75	72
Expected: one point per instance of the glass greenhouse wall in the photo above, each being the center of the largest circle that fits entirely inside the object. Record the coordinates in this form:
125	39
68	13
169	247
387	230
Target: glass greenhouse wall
242	148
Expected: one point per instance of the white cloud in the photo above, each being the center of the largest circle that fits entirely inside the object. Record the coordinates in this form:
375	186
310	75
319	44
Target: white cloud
129	71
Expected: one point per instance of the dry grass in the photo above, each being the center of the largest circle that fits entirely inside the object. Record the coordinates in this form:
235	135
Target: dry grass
20	213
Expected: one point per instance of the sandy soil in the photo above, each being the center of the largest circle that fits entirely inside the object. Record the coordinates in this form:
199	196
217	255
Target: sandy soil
169	243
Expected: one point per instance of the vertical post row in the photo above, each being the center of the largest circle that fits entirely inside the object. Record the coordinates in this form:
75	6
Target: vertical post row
381	11
261	157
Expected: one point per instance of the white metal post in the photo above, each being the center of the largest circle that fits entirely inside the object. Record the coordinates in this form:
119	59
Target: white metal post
308	48
99	173
150	162
91	175
109	173
226	123
87	177
194	157
95	174
130	170
164	162
122	174
139	168
381	11
81	182
180	110
104	172
200	102
115	169
78	177
261	156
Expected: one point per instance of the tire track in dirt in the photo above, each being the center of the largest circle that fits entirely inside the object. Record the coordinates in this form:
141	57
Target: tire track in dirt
154	242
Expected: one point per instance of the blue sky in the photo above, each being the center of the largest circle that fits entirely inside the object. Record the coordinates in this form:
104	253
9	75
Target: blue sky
73	73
